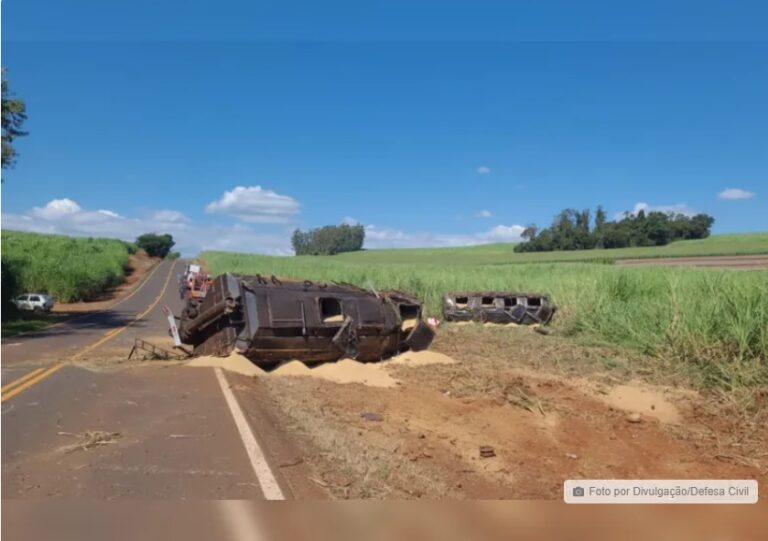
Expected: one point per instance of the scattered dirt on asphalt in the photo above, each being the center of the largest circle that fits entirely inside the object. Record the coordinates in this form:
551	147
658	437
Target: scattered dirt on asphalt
89	439
140	264
546	420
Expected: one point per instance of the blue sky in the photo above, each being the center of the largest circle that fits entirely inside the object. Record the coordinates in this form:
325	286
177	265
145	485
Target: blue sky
432	123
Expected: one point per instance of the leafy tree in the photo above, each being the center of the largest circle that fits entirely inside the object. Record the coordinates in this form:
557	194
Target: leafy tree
570	230
529	233
328	240
155	245
599	233
14	113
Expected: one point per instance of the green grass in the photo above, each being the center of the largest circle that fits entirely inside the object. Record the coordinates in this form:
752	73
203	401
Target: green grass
29	324
68	268
499	254
714	322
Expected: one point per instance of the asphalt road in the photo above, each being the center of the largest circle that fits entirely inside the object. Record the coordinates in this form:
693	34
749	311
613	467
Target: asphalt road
171	431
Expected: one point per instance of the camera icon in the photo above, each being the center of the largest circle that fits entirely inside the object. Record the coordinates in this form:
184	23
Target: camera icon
578	492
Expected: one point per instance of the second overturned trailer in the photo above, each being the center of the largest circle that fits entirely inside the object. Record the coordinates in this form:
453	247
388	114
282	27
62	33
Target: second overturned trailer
270	320
498	307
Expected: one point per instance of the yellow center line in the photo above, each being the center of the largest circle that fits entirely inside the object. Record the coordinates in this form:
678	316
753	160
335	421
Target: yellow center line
17	386
132	293
22	379
109	335
29	383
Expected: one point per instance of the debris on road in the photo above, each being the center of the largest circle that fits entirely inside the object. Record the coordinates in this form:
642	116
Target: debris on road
343	371
498	307
148	351
89	440
270	321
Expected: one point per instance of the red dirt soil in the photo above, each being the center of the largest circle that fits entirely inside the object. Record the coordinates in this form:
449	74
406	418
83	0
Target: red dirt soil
544	427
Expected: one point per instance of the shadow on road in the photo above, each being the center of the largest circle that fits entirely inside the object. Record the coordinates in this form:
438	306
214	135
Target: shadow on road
77	322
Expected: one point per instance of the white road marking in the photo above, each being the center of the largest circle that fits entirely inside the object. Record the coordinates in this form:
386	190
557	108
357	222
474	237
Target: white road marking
240	520
264	475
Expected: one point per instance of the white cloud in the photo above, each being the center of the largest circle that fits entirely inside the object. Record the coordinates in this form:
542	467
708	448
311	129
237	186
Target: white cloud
166	215
735	193
348	220
56	209
483	170
70	219
485	214
504	233
256	205
395	238
679	208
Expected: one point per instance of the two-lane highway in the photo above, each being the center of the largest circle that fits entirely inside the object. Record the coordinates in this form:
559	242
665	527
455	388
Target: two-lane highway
69	338
171	432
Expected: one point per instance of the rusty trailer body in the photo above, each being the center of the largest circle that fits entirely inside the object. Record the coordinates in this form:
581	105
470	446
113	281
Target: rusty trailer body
270	320
498	307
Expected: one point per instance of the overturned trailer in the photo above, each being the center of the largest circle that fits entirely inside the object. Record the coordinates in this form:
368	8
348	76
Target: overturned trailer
271	320
498	307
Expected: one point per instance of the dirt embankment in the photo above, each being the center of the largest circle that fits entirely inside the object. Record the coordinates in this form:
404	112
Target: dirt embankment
513	417
140	265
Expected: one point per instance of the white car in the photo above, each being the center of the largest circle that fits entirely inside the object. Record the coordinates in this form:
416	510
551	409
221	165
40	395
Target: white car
36	302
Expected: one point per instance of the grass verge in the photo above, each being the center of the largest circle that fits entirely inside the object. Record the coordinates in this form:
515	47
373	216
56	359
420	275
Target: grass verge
29	324
712	322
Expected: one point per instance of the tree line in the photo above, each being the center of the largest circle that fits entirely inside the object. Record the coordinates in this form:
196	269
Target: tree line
575	230
328	240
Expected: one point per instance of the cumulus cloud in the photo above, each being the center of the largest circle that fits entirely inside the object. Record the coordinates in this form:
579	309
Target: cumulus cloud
348	220
376	237
679	208
256	205
504	233
56	209
735	193
485	214
483	170
173	216
68	218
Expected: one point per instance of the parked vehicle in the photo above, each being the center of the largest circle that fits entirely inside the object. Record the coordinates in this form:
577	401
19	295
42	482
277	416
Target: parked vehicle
194	282
34	302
